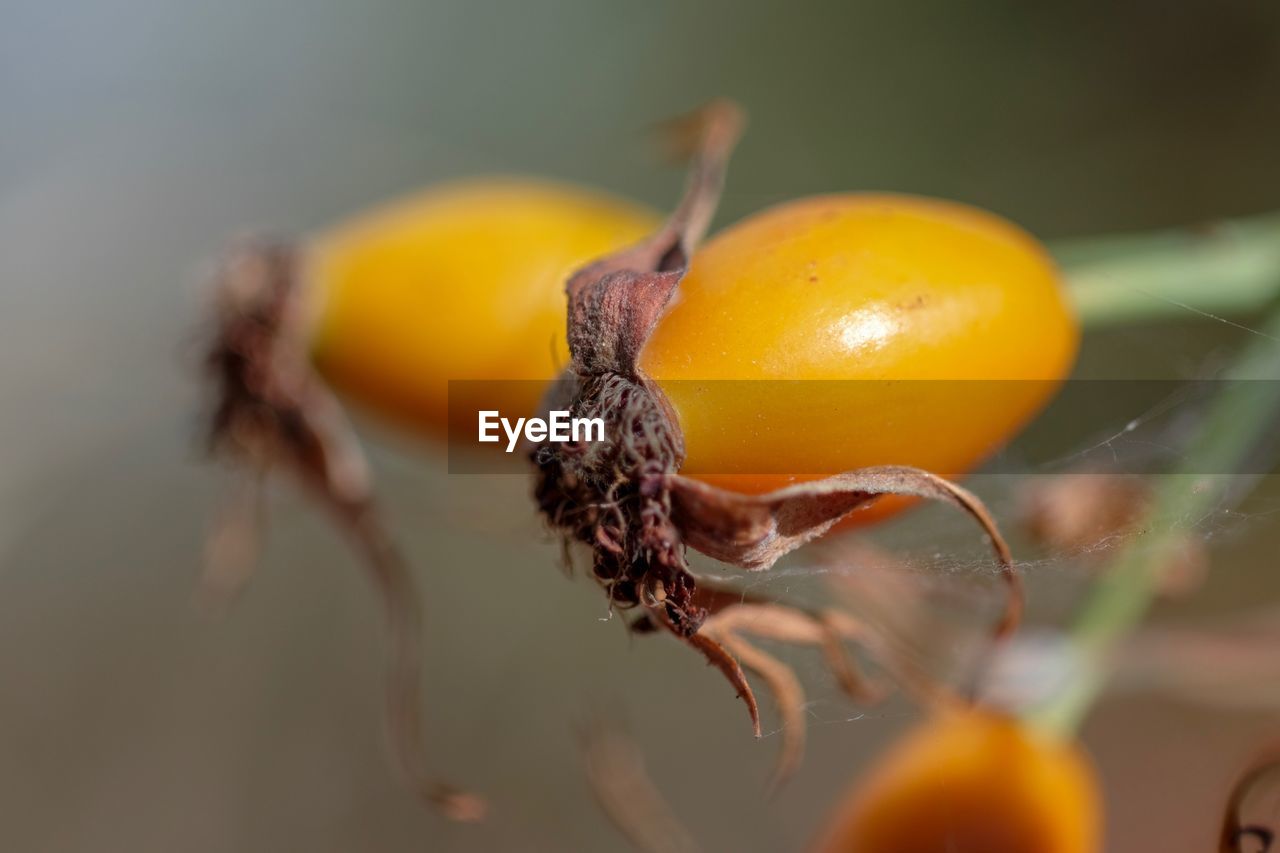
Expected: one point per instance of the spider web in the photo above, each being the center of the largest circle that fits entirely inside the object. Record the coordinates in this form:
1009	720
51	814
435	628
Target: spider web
943	586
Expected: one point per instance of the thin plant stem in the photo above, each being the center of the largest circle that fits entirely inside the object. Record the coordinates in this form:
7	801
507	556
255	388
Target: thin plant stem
1241	415
1227	269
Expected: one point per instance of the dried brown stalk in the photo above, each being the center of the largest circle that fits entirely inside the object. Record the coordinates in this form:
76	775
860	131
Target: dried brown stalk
621	784
273	414
624	497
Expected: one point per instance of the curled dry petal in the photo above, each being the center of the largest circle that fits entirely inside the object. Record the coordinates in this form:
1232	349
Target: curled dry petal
730	624
790	698
754	531
720	658
826	630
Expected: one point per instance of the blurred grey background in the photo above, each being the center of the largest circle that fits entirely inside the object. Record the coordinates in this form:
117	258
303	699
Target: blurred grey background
136	135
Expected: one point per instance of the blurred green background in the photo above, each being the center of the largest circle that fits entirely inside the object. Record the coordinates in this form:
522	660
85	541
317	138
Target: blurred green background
136	135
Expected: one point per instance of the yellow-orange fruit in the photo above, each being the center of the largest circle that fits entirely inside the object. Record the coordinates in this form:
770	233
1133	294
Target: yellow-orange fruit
946	328
463	281
971	782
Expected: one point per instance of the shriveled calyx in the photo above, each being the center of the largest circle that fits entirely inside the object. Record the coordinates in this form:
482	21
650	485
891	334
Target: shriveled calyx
624	496
616	495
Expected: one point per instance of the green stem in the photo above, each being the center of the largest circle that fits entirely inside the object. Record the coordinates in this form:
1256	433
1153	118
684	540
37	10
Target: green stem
1239	417
1231	269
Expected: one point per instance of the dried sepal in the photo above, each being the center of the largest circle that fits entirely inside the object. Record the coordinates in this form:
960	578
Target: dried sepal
788	695
631	800
718	656
754	531
826	630
273	415
837	629
733	623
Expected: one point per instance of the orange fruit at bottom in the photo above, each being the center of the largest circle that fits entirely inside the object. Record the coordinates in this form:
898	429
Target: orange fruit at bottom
972	782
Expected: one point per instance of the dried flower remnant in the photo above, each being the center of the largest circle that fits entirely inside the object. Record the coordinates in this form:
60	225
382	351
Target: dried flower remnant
273	414
625	498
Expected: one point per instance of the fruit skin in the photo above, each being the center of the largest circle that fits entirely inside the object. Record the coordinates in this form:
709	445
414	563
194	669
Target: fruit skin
869	287
972	782
462	281
466	281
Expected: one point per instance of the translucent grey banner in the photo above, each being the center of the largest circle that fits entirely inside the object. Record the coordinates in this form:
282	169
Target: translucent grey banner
813	428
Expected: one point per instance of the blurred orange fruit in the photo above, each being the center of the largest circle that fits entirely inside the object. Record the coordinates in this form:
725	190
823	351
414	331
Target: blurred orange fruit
461	282
971	782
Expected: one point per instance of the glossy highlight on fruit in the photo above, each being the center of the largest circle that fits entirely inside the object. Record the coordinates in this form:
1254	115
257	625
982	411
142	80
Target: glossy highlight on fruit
945	328
462	281
971	782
